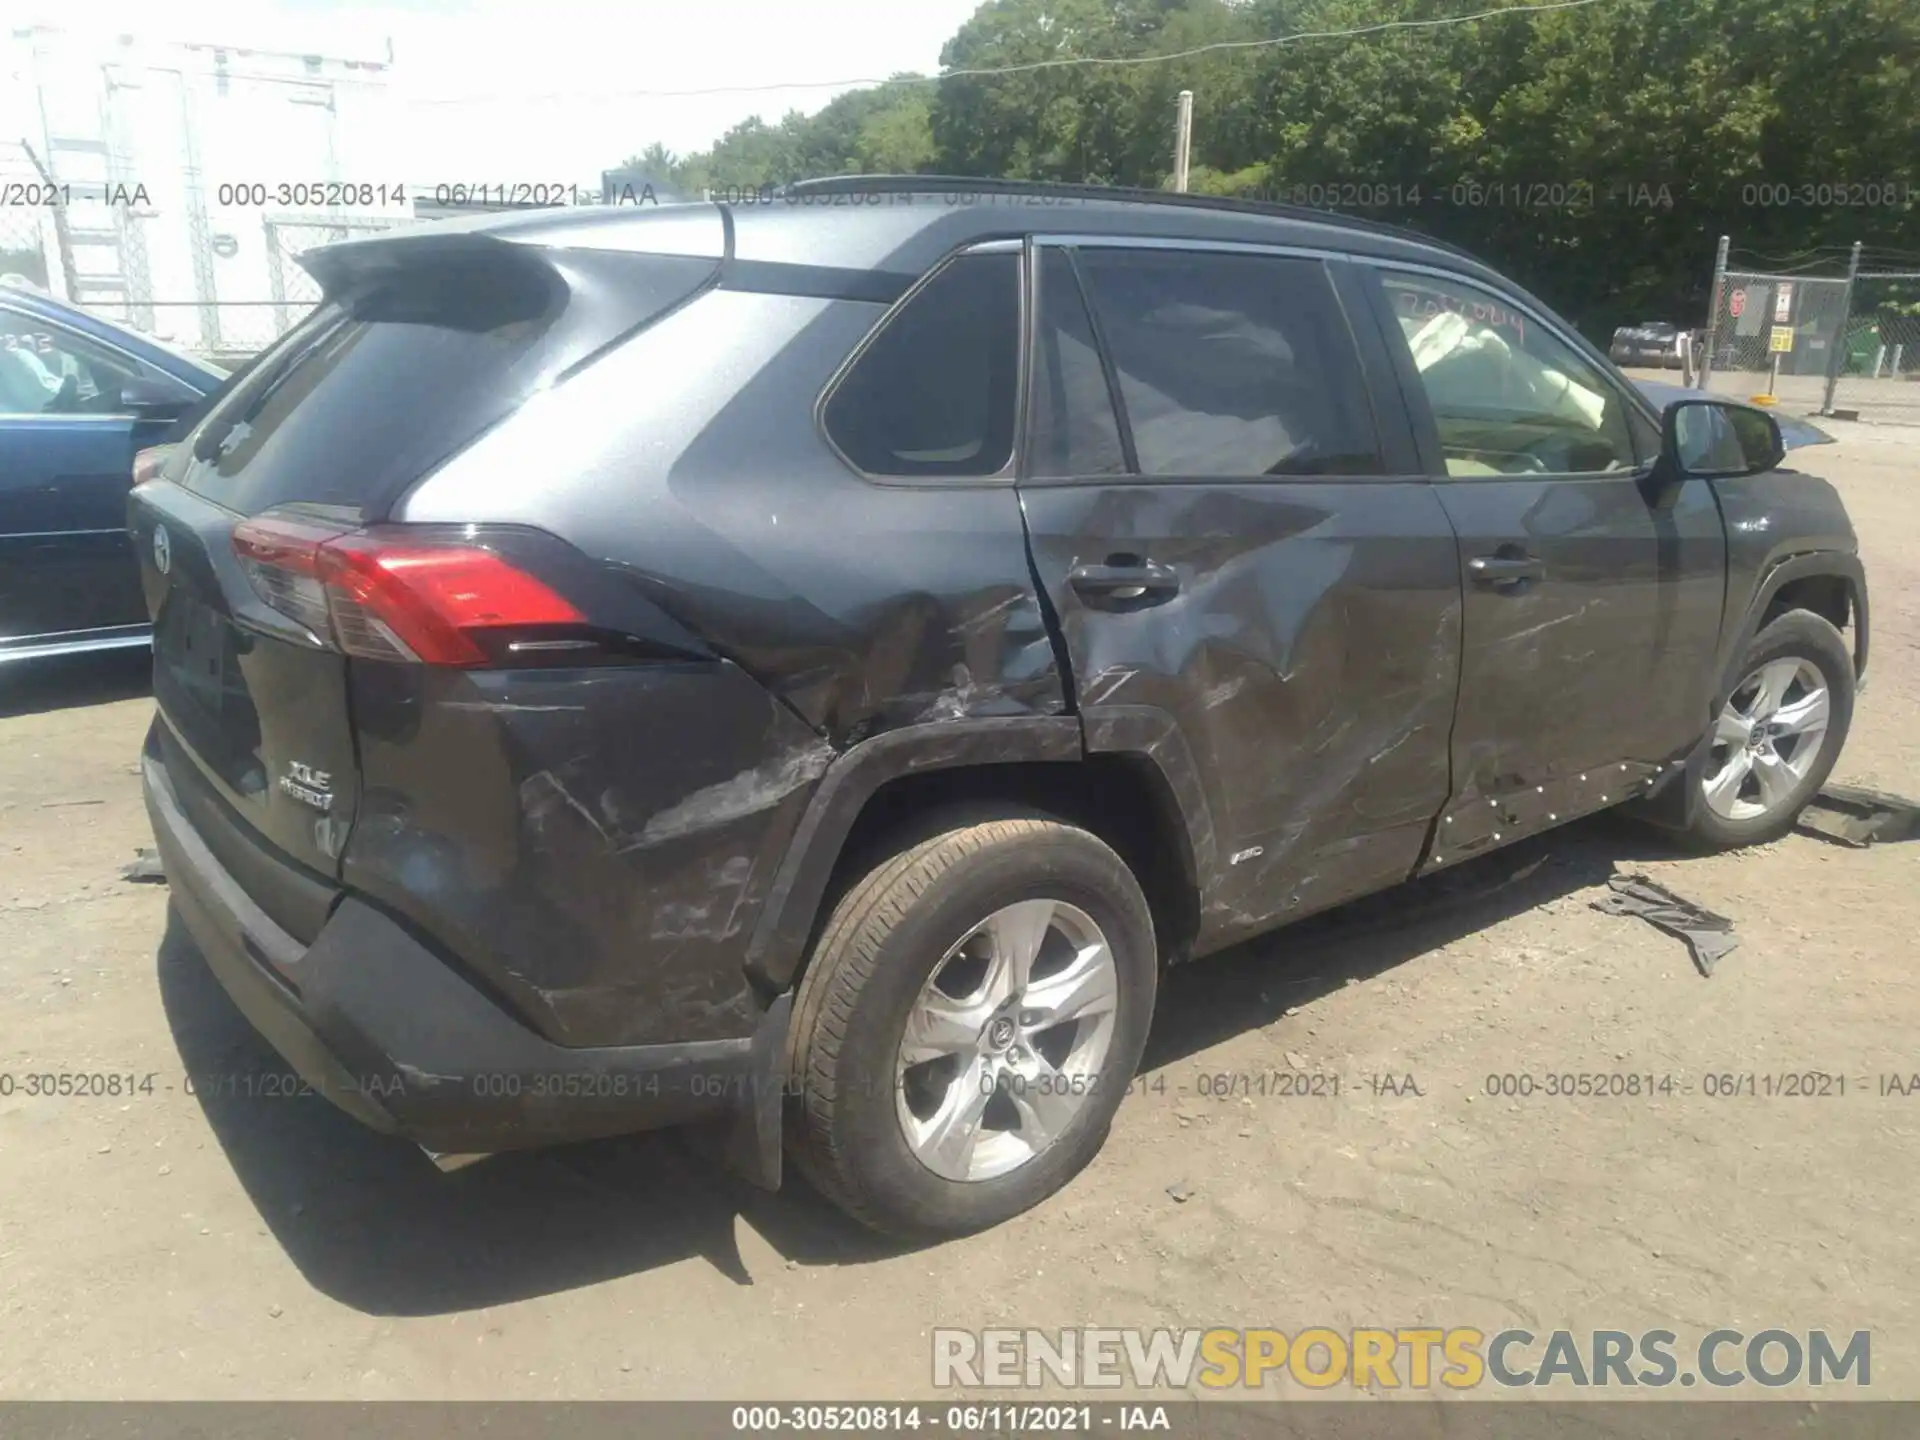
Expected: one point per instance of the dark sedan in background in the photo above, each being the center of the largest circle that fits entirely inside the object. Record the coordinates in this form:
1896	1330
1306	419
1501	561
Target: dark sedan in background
1652	342
79	397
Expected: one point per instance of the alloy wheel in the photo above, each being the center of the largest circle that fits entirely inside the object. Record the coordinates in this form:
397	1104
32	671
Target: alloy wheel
1005	1043
1767	739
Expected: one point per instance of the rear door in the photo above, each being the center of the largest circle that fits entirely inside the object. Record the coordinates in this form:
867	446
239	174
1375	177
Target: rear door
1591	611
1251	578
66	462
266	568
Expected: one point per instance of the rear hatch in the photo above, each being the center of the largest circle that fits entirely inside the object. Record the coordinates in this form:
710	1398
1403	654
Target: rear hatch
268	569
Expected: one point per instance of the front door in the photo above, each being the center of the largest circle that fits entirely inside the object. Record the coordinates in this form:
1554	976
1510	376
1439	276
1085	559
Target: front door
1591	612
1254	585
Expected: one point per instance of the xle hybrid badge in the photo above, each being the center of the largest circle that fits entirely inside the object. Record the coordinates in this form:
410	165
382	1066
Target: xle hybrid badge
308	785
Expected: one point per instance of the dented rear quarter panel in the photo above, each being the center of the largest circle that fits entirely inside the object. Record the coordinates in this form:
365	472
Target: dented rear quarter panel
601	842
559	834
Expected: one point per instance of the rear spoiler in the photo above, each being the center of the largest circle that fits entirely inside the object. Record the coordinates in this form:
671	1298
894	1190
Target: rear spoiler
695	230
358	264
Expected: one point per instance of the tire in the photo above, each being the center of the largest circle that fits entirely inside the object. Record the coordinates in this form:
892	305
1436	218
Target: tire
1796	637
935	910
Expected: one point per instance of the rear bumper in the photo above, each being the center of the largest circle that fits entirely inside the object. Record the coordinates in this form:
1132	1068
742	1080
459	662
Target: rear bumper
375	1021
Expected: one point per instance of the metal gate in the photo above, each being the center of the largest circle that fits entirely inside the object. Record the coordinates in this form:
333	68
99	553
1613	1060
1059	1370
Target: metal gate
1774	335
1841	345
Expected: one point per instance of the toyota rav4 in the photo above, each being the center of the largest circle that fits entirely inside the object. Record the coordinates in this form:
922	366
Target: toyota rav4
806	668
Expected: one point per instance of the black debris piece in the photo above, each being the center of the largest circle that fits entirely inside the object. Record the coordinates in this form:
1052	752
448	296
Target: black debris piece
1708	936
145	870
1859	817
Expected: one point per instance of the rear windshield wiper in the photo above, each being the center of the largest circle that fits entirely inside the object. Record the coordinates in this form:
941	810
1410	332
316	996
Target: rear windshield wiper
250	398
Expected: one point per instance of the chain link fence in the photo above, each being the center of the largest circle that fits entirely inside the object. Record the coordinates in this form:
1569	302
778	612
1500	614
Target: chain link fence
1880	371
294	290
1774	335
29	252
205	315
1844	344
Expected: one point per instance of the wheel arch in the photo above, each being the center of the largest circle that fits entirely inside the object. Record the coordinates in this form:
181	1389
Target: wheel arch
877	794
1829	583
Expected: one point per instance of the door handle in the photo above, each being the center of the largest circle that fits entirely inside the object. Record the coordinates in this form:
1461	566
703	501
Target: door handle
1125	579
1503	570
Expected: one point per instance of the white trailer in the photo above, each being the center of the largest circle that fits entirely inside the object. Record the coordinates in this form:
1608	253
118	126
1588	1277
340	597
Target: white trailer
188	175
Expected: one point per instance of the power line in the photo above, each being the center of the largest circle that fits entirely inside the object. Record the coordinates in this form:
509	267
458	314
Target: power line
991	71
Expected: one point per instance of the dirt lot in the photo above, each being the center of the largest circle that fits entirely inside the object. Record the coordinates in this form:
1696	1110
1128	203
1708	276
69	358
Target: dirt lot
176	1244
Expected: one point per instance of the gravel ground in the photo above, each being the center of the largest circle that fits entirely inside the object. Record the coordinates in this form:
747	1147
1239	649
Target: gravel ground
223	1245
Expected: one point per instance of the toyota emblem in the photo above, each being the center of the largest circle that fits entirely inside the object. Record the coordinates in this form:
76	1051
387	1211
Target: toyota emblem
162	550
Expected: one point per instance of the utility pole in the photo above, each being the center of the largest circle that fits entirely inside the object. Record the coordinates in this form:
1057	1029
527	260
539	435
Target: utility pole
1839	356
1182	141
1713	307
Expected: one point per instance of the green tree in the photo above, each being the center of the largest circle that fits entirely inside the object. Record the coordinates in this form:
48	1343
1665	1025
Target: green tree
1593	153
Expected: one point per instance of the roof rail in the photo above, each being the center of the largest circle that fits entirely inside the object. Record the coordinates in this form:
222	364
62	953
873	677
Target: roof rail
978	185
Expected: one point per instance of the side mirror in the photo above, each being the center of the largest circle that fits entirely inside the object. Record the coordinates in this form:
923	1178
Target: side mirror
1712	439
154	399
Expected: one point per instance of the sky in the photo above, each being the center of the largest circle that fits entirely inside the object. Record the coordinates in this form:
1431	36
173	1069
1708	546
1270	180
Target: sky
498	90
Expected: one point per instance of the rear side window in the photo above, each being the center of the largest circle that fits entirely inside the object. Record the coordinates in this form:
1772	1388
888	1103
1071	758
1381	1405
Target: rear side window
399	370
1074	429
1232	365
933	393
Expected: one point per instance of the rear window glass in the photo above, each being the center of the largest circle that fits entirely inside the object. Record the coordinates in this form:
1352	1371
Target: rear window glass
387	379
934	393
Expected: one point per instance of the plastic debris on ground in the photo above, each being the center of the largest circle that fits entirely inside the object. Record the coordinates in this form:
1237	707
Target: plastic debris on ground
1709	936
145	869
1857	817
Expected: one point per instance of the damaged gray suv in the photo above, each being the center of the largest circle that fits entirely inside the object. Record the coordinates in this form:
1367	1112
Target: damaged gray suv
805	668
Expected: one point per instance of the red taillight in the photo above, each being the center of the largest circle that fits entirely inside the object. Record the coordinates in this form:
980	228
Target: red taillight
388	595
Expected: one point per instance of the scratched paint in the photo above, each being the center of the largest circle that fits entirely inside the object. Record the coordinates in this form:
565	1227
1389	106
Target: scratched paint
601	891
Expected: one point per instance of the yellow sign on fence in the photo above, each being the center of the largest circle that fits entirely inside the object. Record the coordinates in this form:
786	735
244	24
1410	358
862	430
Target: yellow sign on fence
1780	338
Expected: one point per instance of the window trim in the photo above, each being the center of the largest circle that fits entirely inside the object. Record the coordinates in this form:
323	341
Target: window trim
1035	287
140	366
1008	473
1414	391
1166	242
1328	260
